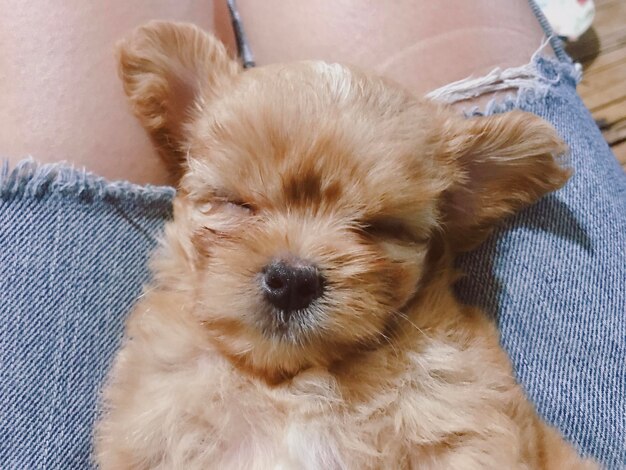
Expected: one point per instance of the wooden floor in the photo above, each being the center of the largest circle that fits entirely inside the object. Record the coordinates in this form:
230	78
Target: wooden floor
602	52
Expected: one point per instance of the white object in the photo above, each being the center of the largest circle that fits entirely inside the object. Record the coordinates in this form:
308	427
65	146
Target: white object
568	18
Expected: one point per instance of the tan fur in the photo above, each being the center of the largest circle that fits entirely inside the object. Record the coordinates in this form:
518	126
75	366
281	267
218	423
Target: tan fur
387	369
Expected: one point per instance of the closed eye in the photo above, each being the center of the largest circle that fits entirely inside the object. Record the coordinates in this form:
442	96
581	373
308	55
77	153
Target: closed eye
391	228
234	203
238	208
243	205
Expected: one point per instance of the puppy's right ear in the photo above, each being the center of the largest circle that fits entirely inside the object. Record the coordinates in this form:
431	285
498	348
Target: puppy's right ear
169	71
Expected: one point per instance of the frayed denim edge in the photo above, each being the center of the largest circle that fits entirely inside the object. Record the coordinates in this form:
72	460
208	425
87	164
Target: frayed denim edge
553	73
32	179
540	74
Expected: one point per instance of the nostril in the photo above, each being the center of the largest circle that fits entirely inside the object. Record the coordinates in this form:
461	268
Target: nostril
278	276
274	281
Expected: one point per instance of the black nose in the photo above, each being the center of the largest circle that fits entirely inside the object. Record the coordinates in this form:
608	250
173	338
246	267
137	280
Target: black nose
291	285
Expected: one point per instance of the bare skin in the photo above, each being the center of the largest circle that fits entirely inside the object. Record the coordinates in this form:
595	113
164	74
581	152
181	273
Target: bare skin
61	99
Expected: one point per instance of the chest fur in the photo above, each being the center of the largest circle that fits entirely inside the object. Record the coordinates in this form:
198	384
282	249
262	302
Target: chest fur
313	422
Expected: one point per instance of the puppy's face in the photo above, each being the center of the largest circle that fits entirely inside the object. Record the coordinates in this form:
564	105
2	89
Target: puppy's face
310	193
312	210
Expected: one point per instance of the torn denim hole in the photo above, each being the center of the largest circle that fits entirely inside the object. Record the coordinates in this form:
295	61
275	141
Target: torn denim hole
537	76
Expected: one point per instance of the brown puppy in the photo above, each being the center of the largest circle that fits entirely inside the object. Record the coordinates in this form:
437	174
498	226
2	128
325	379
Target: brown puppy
301	314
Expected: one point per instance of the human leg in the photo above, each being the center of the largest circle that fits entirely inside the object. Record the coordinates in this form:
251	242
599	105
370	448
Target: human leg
61	99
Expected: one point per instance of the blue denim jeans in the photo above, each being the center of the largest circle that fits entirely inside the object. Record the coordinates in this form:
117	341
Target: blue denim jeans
73	261
554	278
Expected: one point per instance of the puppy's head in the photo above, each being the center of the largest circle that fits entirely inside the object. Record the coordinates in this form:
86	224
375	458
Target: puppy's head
310	193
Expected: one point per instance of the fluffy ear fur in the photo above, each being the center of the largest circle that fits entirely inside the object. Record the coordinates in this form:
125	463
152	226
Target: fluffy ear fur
169	71
501	164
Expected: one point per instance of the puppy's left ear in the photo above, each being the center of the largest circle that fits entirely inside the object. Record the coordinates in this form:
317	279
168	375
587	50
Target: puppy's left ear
499	164
169	71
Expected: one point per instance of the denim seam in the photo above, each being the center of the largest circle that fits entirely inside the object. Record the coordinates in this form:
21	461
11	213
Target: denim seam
555	41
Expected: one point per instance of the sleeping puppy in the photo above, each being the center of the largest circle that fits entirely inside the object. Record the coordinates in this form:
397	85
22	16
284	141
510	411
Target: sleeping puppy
301	314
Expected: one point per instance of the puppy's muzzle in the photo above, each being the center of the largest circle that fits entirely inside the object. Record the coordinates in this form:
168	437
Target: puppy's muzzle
291	285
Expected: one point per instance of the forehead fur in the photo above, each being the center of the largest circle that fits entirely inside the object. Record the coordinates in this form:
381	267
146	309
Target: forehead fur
316	135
